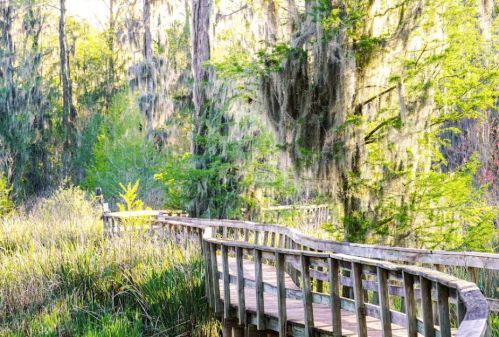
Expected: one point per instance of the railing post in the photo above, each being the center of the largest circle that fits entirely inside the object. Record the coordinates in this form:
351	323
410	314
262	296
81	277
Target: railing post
461	310
225	266
410	305
384	304
443	309
241	303
281	294
307	295
426	305
215	278
473	274
334	291
360	307
257	256
439	268
208	278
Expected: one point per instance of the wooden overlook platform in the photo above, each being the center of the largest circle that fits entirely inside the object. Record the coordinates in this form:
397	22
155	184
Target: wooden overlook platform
276	281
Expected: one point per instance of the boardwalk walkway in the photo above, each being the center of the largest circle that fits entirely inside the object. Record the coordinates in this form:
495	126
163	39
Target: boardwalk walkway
277	279
294	308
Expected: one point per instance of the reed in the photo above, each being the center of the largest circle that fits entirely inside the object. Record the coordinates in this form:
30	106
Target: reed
60	277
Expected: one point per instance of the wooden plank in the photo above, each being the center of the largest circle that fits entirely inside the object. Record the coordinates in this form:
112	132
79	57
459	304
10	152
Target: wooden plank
426	305
257	237
384	302
265	238
360	308
334	292
226	280
281	295
443	310
246	234
410	305
214	277
307	296
257	255
473	275
241	303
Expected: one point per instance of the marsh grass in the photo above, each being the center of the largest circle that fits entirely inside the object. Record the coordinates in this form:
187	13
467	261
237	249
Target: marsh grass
59	276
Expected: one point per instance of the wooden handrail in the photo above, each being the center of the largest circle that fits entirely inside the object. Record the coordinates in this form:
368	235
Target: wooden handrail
292	252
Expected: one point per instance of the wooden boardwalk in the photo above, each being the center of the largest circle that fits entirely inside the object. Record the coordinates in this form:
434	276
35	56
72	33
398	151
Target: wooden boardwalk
291	298
294	308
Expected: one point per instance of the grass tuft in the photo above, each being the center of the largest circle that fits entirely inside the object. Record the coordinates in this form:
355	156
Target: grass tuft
60	277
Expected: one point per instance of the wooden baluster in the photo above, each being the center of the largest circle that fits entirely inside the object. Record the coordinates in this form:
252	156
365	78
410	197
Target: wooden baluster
241	303
443	309
208	278
224	232
334	291
439	268
426	306
215	278
473	274
319	283
225	267
246	234
265	238
257	237
257	256
307	296
360	307
410	305
282	239
461	310
384	302
281	295
236	234
294	271
272	240
200	238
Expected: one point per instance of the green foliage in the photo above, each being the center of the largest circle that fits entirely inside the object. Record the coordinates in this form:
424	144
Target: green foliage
6	204
243	175
441	210
460	69
123	153
266	60
130	198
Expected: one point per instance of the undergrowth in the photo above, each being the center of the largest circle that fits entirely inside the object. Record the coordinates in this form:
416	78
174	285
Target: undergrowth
60	277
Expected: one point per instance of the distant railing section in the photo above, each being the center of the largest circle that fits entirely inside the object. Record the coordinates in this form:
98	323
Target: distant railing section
314	215
322	266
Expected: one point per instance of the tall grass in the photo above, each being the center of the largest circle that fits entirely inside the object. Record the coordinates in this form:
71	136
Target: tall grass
60	277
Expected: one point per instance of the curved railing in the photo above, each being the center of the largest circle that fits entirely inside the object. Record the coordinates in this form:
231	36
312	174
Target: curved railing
312	262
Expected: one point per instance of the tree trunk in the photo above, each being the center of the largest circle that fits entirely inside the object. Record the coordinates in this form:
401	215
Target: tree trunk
200	54
148	56
66	93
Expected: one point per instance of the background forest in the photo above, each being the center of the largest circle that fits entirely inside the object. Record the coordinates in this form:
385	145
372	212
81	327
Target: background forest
384	110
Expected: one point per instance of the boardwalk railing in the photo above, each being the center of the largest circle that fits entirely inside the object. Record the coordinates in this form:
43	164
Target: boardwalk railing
323	268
